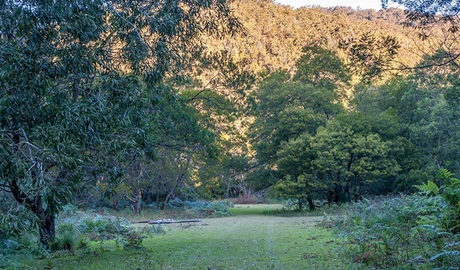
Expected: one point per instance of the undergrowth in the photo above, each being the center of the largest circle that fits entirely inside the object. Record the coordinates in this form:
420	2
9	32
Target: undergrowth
77	230
406	232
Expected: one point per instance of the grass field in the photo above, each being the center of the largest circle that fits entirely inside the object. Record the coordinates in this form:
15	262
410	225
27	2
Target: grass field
246	240
254	209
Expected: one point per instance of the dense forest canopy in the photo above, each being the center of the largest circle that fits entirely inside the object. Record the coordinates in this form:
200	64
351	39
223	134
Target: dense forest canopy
276	35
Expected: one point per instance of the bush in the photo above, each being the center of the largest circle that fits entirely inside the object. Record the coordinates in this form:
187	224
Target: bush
132	239
14	250
69	238
157	229
403	232
94	226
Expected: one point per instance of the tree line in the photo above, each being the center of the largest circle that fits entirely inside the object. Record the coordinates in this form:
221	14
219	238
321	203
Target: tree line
315	143
385	139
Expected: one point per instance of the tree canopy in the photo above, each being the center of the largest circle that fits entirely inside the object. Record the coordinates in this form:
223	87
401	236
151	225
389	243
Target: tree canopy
82	90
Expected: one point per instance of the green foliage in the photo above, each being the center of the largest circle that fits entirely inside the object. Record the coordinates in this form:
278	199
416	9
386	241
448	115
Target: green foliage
401	232
448	180
393	138
260	179
409	231
295	189
288	111
428	188
95	227
321	68
285	108
319	150
450	192
68	238
360	156
340	162
132	240
102	228
82	90
370	56
416	116
158	229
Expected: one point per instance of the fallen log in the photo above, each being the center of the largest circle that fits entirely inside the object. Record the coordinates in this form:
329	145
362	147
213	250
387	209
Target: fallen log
168	221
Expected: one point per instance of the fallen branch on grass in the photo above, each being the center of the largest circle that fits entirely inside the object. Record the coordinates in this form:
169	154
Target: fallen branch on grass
168	221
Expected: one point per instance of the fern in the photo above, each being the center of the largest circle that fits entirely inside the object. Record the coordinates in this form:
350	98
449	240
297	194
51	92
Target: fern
429	188
448	179
448	253
453	244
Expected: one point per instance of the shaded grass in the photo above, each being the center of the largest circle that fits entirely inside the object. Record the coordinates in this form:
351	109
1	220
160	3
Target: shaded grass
254	209
275	210
238	242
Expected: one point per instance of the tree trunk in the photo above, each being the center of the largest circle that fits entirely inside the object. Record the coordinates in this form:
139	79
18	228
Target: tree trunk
137	203
47	228
171	192
116	205
347	194
299	204
157	201
46	217
311	205
228	189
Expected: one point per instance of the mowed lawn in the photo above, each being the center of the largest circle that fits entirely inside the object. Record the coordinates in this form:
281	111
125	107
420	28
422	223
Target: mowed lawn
245	241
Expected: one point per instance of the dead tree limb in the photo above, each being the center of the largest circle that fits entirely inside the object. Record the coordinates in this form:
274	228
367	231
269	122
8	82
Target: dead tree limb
168	221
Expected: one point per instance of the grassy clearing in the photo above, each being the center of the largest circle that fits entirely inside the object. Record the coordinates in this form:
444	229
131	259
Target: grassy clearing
247	240
275	210
254	209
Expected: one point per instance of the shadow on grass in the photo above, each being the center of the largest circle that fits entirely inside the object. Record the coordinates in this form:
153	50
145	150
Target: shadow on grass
270	210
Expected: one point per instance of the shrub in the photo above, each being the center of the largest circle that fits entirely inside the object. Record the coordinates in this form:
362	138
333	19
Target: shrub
157	229
15	249
403	232
69	238
132	239
74	231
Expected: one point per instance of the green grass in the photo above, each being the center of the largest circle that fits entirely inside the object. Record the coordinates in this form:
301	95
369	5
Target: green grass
244	241
254	209
276	210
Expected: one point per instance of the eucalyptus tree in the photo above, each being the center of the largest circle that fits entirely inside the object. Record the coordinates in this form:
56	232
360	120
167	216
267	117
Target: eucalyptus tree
81	89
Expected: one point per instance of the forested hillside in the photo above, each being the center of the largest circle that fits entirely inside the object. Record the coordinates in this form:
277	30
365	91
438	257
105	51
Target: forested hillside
374	45
275	35
370	106
333	63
